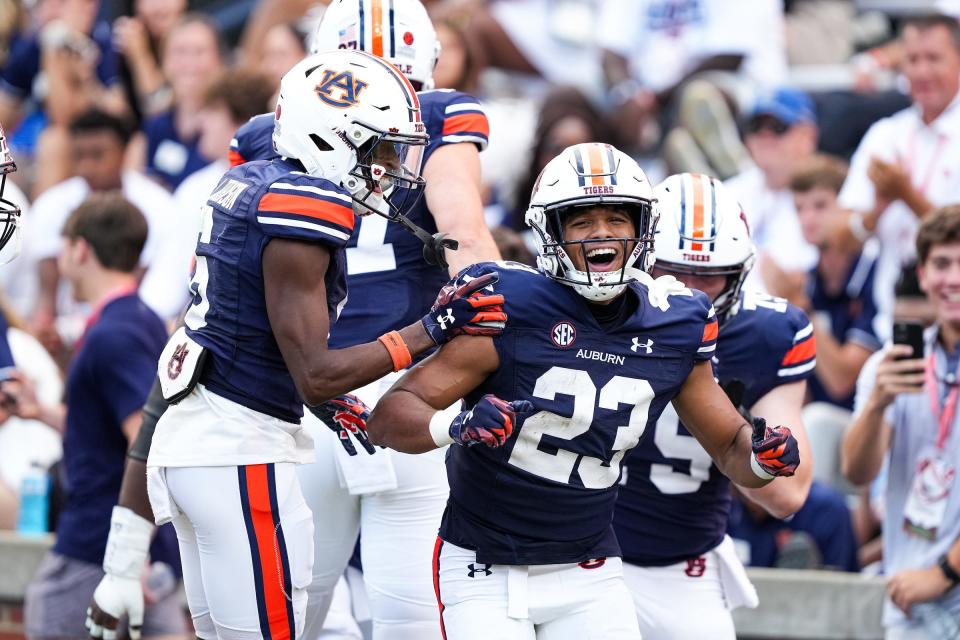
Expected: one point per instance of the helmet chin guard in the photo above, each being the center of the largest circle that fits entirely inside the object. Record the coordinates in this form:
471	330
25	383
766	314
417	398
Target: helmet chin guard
10	229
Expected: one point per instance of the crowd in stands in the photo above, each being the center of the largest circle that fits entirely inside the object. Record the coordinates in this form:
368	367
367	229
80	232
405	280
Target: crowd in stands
838	131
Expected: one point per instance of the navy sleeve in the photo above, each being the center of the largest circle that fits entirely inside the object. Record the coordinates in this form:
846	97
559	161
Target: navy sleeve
454	117
125	368
253	141
797	347
301	207
23	65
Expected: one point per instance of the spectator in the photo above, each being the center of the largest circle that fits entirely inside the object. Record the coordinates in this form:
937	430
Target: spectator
669	63
64	67
907	164
283	47
138	39
909	420
167	146
24	441
99	143
457	67
839	299
781	133
820	535
107	384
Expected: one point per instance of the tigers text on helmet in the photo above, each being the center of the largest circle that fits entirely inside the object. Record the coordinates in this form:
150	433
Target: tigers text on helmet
400	31
353	119
9	212
585	176
703	231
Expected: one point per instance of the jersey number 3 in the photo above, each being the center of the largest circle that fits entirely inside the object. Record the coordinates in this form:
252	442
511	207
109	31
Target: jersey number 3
556	463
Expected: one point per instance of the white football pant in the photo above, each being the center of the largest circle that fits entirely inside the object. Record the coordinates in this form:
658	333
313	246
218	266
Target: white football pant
587	601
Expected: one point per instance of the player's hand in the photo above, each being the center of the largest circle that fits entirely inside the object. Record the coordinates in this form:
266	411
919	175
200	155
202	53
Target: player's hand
490	421
775	450
346	415
115	596
466	308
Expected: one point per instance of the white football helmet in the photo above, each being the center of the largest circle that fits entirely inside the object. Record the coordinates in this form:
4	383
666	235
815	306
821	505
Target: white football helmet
703	231
9	212
590	175
399	31
354	119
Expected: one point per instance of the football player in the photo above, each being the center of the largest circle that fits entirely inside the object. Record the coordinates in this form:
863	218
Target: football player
396	500
269	283
671	515
594	351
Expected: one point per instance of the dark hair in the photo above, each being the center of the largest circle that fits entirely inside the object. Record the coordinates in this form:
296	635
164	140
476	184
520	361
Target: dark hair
113	226
940	226
820	170
922	22
560	103
97	120
243	93
195	17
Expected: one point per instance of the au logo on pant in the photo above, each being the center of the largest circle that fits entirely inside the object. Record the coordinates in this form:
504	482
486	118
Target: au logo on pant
474	568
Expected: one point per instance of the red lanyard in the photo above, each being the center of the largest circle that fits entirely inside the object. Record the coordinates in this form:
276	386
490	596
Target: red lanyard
944	417
934	160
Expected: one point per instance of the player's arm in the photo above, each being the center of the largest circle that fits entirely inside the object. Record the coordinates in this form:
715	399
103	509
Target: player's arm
410	418
707	413
781	405
453	196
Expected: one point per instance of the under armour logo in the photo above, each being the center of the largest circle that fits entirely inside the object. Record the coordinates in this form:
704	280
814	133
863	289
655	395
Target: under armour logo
444	319
637	345
473	570
696	567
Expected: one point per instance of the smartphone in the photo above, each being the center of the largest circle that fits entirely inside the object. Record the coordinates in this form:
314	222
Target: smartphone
909	332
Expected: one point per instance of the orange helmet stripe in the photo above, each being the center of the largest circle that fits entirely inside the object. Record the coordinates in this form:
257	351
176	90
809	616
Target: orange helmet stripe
596	164
698	203
376	18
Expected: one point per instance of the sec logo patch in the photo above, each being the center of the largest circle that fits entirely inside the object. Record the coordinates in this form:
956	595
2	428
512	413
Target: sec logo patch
563	334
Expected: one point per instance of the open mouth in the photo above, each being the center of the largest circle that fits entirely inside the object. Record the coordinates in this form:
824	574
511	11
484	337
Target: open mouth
603	259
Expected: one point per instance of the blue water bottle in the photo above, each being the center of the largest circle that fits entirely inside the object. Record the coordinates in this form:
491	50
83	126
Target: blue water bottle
34	501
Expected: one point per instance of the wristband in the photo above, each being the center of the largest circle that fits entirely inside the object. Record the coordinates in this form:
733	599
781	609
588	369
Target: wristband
397	349
857	228
127	544
949	572
440	429
759	471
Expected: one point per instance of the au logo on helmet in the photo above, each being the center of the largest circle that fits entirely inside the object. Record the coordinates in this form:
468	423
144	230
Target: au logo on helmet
340	88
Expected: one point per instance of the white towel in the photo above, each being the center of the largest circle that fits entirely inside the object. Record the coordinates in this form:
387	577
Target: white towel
737	588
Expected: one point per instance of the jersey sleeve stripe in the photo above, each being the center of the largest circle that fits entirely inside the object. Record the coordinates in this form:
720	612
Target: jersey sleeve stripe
303	224
467	123
710	331
797	370
708	348
463	106
800	352
803	333
324	193
234	158
310	207
480	141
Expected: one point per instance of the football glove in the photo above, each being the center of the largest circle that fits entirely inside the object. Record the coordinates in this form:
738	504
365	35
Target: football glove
464	308
120	591
775	450
346	415
490	421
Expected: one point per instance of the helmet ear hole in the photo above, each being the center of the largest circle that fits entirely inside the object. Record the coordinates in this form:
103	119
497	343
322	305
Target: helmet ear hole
322	144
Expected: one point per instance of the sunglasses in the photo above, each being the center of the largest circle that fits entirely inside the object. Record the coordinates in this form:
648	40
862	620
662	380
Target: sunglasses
772	125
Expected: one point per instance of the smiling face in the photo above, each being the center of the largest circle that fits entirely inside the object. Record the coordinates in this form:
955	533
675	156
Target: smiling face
940	280
605	227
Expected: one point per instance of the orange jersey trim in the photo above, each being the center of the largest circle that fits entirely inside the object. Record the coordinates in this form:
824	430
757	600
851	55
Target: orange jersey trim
311	207
710	331
234	158
801	352
473	122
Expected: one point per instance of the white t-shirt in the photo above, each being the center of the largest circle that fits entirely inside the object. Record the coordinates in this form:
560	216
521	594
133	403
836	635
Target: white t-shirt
932	155
666	39
774	225
54	206
23	442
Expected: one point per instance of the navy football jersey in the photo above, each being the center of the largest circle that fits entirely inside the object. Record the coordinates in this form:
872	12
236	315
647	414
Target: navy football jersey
674	502
251	205
390	284
547	495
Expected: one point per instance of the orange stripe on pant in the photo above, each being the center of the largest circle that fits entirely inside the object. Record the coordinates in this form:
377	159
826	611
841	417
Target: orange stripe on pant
436	582
271	565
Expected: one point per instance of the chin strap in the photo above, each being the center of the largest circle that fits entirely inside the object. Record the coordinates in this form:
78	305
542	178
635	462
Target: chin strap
434	245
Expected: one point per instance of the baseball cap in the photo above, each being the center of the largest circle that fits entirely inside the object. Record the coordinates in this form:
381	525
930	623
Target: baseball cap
788	105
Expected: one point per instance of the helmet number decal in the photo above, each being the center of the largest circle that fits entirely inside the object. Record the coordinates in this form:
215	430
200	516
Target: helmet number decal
340	89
